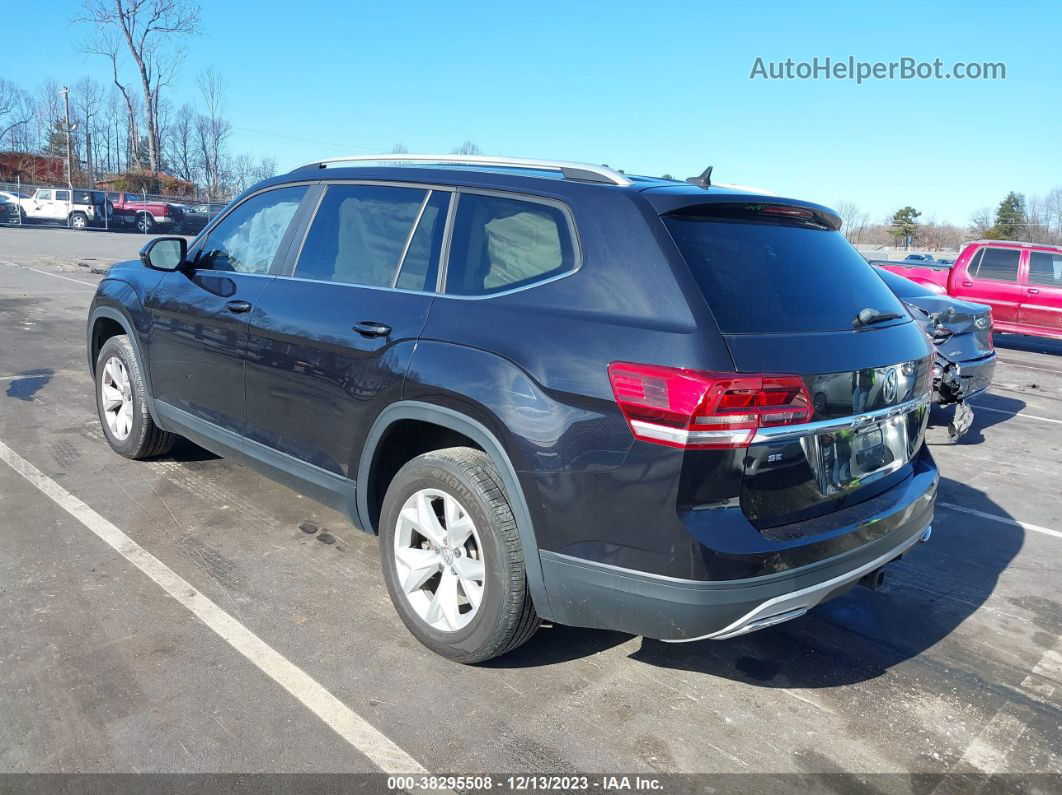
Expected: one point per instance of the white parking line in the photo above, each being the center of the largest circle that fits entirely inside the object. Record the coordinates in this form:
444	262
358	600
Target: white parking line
1010	363
1003	519
380	750
93	285
979	407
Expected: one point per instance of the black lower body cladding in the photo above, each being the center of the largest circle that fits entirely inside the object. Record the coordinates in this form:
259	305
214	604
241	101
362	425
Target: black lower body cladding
595	594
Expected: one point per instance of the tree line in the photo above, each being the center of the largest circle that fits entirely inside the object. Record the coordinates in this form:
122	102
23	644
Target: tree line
1031	219
124	123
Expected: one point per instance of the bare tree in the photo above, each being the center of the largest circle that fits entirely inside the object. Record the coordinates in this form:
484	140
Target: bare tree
87	100
266	168
16	109
854	221
1053	201
148	29
467	148
180	147
1038	219
212	131
981	223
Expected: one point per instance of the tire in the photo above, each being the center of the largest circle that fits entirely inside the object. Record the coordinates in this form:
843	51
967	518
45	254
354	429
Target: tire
505	617
78	221
144	223
135	435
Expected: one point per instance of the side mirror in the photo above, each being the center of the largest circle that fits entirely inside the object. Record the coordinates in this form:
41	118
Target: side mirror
165	253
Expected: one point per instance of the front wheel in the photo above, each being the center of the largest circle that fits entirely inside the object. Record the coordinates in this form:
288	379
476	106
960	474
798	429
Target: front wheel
452	558
121	401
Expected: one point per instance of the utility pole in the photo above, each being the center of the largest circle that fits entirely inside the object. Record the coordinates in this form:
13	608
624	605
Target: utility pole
69	146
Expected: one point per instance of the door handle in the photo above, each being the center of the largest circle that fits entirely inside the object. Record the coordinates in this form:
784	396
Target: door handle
967	284
238	306
369	328
1034	290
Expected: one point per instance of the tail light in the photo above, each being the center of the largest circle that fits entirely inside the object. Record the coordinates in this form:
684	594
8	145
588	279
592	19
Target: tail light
692	409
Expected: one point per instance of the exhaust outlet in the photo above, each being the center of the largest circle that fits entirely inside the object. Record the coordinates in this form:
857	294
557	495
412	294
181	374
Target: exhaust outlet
874	580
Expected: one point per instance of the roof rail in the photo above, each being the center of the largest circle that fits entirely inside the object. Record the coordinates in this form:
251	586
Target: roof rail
584	172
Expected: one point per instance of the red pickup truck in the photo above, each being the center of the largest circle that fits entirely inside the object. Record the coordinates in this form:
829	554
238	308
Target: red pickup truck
1022	282
147	214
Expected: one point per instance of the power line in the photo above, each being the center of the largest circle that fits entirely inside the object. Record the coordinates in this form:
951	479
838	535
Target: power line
369	149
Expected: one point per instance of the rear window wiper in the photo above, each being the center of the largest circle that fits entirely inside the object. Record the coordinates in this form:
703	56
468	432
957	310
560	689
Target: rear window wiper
870	316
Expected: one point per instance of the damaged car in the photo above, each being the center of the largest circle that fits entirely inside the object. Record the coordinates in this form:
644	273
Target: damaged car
962	338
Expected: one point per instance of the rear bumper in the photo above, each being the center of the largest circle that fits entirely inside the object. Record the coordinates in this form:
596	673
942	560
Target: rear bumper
963	380
593	594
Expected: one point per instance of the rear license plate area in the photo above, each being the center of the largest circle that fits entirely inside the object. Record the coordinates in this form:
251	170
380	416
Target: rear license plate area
847	459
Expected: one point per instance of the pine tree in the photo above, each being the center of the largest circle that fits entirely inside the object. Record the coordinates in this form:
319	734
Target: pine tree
905	224
56	144
1010	218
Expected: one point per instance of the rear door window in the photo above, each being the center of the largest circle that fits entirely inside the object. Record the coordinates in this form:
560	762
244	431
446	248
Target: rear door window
999	264
420	266
359	234
501	244
763	277
62	195
1045	269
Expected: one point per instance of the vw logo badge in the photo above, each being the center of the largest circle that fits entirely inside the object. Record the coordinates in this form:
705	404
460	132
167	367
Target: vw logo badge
888	389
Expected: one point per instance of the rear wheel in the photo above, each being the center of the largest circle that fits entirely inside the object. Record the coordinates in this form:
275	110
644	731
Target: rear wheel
78	221
144	223
121	401
452	557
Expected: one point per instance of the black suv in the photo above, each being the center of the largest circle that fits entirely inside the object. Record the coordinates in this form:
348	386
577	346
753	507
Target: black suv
554	391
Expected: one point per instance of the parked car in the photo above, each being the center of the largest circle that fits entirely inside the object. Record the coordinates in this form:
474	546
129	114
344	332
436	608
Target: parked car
944	261
962	338
146	215
8	211
196	218
1021	282
919	258
77	208
553	390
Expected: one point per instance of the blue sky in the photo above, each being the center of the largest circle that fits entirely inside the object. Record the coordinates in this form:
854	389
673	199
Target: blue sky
650	88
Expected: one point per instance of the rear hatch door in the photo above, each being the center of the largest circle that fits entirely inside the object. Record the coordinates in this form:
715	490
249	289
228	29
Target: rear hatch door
791	295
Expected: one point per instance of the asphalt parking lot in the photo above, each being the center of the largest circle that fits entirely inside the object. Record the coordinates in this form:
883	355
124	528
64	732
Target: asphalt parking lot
955	666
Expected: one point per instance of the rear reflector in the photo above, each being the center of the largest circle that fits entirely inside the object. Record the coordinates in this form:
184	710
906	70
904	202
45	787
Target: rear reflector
692	409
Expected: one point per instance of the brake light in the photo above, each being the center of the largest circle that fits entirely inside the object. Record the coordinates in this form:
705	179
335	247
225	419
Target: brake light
692	409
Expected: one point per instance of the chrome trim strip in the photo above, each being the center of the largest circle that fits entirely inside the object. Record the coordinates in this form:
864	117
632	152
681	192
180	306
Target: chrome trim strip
409	237
791	605
444	251
665	433
351	284
840	424
607	173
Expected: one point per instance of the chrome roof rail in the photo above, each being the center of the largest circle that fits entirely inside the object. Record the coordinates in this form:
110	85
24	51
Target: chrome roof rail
585	172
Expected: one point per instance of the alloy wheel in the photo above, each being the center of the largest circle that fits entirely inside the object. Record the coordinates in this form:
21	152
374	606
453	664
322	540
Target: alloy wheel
117	398
439	560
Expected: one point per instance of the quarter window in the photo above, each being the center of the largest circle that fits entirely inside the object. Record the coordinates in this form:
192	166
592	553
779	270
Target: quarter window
500	244
1045	269
247	239
1000	264
359	234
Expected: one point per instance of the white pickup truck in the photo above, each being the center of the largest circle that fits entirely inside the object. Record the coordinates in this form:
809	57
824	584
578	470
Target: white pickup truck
77	208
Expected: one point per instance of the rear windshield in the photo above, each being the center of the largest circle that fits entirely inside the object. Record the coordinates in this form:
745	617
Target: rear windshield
774	278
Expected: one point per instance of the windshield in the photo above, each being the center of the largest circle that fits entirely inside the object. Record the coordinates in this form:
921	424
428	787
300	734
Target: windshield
774	278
